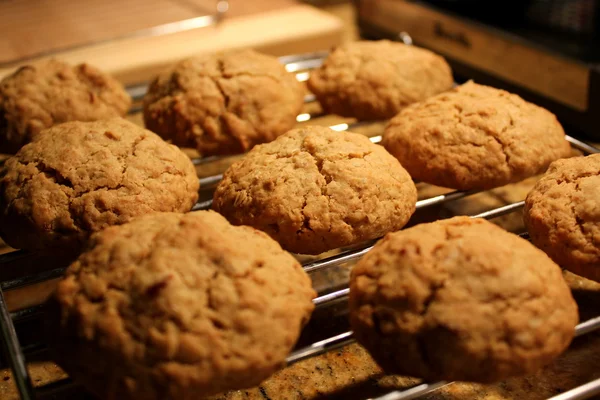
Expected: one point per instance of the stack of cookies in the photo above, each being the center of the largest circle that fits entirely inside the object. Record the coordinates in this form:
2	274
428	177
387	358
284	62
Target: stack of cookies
172	304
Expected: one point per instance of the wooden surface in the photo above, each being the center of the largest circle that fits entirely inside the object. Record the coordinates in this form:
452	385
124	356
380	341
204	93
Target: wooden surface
276	27
38	26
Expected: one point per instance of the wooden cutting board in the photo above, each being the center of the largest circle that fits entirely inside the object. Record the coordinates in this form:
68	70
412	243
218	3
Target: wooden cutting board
127	39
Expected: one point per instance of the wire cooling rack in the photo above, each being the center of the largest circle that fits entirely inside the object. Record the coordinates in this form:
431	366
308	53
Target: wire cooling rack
301	66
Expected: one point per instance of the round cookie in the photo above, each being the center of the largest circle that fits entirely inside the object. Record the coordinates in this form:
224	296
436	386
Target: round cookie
177	306
475	137
79	177
314	189
49	92
460	299
562	214
372	80
223	103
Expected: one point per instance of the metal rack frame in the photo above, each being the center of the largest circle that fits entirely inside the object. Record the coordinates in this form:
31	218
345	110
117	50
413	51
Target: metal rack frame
298	64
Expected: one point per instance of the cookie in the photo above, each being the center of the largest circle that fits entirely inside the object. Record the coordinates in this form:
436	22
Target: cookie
50	92
460	299
562	214
314	189
223	103
372	80
177	306
475	137
80	177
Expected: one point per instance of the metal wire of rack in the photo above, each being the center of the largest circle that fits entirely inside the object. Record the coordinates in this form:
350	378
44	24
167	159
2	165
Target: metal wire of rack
298	64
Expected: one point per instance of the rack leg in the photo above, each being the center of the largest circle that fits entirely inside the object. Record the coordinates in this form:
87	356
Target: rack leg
10	341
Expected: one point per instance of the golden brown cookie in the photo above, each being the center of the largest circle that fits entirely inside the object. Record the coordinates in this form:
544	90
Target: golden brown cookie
314	189
49	92
79	177
562	214
178	306
475	137
460	299
223	103
372	80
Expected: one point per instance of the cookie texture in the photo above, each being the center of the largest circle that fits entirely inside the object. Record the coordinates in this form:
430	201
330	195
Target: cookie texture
314	189
80	177
46	93
460	299
372	80
223	103
178	306
475	137
562	214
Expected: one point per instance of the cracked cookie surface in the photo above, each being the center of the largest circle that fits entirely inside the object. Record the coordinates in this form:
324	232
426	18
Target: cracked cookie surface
475	137
223	103
314	189
372	80
460	299
79	177
562	214
177	306
46	93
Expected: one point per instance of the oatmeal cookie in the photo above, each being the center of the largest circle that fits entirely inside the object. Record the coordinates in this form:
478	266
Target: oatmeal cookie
372	80
460	299
475	137
80	177
223	103
562	214
46	93
177	306
314	189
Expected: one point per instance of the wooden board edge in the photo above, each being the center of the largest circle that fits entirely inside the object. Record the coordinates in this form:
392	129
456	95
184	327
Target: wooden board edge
297	29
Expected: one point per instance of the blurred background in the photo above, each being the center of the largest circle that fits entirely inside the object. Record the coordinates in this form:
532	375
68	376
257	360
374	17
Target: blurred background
545	50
